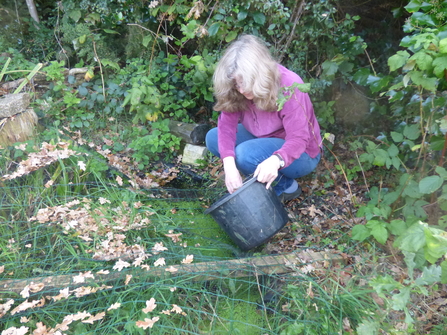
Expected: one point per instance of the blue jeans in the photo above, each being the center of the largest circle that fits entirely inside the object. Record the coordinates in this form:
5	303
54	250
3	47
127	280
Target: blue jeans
251	150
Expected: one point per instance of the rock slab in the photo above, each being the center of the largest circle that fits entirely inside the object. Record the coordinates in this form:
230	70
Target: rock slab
13	104
192	153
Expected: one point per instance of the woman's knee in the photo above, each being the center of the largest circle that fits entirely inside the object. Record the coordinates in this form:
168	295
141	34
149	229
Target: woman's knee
211	142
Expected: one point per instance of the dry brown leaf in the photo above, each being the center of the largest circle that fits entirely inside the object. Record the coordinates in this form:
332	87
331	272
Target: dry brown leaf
94	318
16	331
120	265
150	306
160	262
188	259
174	237
171	269
63	294
147	323
158	247
4	308
116	305
128	278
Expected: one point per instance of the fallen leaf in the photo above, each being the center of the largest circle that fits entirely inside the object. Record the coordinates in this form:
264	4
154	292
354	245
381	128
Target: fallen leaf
94	318
174	237
25	292
147	323
16	331
188	259
176	309
158	247
120	265
128	278
116	305
171	269
63	294
150	306
82	165
160	262
24	319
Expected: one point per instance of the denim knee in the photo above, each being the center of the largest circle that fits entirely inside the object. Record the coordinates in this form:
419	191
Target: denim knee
211	142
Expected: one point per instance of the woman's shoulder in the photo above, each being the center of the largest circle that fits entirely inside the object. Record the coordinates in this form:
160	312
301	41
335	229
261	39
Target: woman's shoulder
288	77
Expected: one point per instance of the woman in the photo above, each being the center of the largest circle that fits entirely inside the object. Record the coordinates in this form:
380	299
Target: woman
252	135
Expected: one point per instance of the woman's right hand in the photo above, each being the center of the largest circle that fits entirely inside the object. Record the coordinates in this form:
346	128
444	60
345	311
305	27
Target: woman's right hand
233	179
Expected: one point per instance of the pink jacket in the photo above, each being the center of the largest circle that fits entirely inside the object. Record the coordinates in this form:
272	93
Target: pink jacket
295	123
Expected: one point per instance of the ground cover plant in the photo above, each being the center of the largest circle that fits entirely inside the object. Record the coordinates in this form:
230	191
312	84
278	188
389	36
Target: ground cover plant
96	239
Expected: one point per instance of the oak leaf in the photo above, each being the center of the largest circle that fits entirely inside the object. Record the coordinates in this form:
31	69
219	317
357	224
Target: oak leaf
147	323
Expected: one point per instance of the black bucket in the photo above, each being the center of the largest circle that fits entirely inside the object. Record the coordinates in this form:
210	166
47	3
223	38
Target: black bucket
251	215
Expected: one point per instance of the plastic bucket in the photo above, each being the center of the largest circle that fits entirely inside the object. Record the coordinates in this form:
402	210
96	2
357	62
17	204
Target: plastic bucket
251	215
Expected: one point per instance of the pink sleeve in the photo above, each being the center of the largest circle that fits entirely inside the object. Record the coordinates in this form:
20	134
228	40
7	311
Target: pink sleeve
297	118
226	132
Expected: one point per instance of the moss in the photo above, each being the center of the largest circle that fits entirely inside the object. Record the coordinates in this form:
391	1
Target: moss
202	234
237	312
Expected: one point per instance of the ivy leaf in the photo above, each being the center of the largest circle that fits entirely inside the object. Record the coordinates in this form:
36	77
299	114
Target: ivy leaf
420	79
430	184
329	68
360	233
361	76
378	83
440	65
259	18
413	6
419	18
423	60
398	60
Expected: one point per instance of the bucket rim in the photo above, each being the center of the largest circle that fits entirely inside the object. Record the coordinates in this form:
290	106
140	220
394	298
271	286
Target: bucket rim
228	196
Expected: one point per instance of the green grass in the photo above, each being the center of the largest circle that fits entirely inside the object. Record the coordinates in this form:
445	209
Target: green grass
108	217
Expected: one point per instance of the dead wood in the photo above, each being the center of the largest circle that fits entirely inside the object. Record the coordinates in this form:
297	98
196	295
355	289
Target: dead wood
204	271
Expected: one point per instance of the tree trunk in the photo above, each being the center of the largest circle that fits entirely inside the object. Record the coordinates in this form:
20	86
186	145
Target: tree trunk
32	10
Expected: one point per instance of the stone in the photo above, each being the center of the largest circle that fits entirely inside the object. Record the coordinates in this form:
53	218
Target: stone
192	153
13	104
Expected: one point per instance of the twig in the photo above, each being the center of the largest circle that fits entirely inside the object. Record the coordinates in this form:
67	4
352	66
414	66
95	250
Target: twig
100	69
262	297
363	172
297	16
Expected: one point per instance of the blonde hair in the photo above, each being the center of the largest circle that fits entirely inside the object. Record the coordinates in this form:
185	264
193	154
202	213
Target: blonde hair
247	59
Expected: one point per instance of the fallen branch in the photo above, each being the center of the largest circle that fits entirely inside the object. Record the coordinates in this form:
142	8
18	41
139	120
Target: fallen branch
205	271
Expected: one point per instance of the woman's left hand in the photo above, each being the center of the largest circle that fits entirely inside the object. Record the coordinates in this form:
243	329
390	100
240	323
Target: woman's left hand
267	171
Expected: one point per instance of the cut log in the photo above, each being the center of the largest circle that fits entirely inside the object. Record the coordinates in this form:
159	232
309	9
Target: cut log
205	271
18	128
